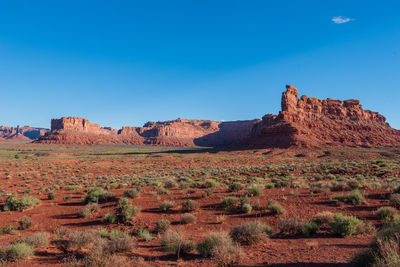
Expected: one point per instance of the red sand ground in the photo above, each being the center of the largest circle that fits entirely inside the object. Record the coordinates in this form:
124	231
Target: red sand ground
61	164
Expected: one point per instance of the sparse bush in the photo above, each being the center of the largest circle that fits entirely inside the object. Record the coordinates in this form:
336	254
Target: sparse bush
395	200
249	233
121	244
51	195
247	208
76	241
189	205
355	198
109	218
221	248
88	210
25	223
188	218
8	229
275	208
98	195
344	225
235	187
387	214
15	252
384	251
255	190
324	217
230	203
166	205
128	212
210	183
131	193
13	203
173	241
38	240
162	226
227	256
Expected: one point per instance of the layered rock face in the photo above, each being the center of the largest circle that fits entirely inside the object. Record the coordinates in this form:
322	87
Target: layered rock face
180	132
304	122
308	122
26	133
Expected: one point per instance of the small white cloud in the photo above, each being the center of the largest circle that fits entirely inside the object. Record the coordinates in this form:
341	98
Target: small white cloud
341	20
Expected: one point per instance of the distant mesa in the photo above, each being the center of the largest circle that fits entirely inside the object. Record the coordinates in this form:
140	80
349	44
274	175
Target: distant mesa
25	133
302	122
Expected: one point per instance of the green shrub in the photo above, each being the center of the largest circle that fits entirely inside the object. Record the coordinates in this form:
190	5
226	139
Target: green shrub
162	226
88	210
275	208
173	241
189	205
24	223
116	233
128	212
247	208
206	248
51	195
230	203
255	190
38	240
15	252
307	228
98	195
384	251
110	218
355	198
249	233
210	183
8	229
131	193
344	225
188	218
13	203
324	217
235	187
143	233
395	200
387	214
166	205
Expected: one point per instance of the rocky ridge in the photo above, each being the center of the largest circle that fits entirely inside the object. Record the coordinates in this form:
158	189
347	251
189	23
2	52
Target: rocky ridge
302	122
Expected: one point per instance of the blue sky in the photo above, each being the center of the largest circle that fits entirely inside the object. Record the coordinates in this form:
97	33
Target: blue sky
127	62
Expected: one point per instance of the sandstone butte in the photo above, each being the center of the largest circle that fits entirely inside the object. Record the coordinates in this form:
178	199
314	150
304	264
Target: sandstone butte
302	122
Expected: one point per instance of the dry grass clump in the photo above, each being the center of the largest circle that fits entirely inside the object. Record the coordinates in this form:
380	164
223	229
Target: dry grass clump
188	218
88	210
175	242
37	240
250	232
324	217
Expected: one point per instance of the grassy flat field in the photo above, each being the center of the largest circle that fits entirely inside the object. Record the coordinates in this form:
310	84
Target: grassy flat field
155	206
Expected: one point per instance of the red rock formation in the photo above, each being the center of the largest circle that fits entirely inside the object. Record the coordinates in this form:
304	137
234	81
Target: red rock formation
309	122
180	132
25	133
305	122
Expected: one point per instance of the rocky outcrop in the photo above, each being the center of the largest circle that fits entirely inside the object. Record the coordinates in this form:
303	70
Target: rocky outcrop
25	133
180	132
304	122
308	122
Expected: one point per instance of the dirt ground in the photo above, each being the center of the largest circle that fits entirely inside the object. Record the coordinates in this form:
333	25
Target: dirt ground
68	171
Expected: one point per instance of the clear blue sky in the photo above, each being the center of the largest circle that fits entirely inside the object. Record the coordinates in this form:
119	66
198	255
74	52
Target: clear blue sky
127	62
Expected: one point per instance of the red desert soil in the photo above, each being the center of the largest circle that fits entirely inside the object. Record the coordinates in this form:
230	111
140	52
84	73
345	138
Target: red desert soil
40	166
